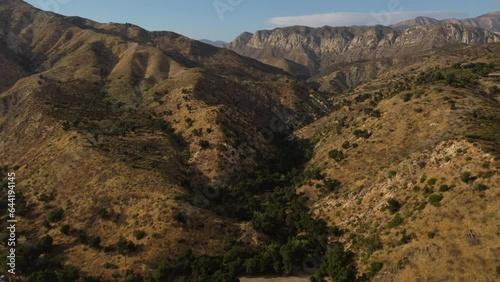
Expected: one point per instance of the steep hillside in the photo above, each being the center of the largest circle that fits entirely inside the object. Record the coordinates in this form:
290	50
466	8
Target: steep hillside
410	164
116	133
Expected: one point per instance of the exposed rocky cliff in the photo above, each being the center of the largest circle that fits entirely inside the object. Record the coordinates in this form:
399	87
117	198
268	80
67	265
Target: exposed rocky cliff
318	48
489	22
323	51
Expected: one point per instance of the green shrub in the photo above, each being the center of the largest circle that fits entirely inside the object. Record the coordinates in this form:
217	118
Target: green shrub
44	244
338	265
376	114
109	265
291	252
494	90
467	177
116	275
488	174
204	144
43	276
336	231
423	178
393	206
125	246
56	215
189	121
161	125
21	205
337	155
427	191
181	217
392	174
375	268
310	174
81	237
396	221
451	79
405	238
372	243
103	213
407	97
362	97
444	188
198	132
346	145
46	224
179	139
139	234
65	229
482	187
68	274
420	205
66	126
131	277
432	181
95	242
435	199
46	198
362	133
332	185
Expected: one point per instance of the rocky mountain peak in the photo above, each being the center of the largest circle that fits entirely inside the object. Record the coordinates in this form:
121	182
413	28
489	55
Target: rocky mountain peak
319	48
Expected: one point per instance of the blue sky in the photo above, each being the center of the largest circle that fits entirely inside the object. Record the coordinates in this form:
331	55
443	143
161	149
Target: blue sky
226	19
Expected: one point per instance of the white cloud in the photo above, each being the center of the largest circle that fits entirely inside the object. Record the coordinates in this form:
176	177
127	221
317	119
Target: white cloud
350	19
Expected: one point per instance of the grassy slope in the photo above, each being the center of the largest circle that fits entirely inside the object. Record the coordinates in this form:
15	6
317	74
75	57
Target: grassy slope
101	127
411	142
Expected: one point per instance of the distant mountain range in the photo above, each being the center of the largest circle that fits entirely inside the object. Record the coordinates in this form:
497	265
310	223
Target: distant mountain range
489	22
318	52
217	43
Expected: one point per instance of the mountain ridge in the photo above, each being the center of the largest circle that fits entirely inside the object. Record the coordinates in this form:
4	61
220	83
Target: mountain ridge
217	43
141	123
319	49
489	21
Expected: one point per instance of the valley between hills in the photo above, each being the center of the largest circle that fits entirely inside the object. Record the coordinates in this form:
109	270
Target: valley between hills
325	154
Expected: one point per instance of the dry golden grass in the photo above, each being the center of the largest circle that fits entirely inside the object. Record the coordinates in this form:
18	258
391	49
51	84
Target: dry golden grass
416	146
97	80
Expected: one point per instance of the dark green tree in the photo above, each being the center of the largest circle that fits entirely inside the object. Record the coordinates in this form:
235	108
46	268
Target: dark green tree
339	264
